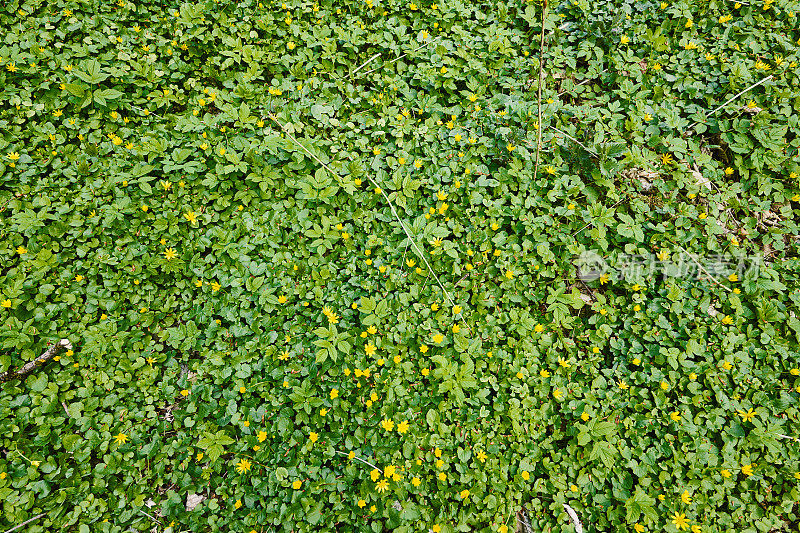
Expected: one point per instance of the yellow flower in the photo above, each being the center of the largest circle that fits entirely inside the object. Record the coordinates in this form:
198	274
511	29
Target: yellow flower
402	427
423	349
686	497
184	393
215	286
725	473
510	274
689	23
690	46
639	528
544	373
526	475
243	466
563	363
21	250
664	385
624	39
481	456
726	365
145	208
191	216
680	521
387	424
313	437
675	416
733	278
748	415
438	338
510	147
747	470
464	494
169	254
585	416
297	484
120	438
416	482
6	303
334	394
557	394
382	485
622	385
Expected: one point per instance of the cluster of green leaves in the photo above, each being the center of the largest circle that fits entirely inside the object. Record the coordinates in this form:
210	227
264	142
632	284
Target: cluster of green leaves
195	194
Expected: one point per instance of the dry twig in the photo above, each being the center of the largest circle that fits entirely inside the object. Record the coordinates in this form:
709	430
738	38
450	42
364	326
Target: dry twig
11	374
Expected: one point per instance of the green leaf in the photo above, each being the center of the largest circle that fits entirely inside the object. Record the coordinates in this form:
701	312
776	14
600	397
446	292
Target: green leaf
91	72
604	451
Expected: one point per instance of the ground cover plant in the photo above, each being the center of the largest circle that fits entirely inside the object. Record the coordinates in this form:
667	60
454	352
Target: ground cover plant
317	265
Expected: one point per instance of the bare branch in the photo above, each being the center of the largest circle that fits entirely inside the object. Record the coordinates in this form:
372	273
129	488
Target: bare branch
25	523
10	374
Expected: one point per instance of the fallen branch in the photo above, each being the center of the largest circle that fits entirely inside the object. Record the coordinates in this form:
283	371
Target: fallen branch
574	517
731	99
539	97
25	523
363	461
402	56
367	62
11	374
702	268
576	141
